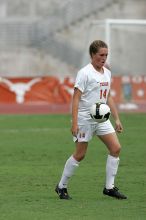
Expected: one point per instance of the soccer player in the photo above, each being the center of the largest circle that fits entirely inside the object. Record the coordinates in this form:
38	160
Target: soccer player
92	85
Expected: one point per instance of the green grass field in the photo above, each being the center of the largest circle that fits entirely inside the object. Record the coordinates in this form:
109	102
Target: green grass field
33	150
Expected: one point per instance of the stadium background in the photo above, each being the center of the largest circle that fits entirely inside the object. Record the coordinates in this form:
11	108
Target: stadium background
43	44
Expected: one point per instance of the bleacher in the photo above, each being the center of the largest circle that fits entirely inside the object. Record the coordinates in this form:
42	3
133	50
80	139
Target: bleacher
29	27
56	29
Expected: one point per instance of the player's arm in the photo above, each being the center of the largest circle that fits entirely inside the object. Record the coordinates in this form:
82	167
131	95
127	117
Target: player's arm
75	105
111	103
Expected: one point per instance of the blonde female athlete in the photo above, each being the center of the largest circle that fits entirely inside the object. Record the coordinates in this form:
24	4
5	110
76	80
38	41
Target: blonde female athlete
92	85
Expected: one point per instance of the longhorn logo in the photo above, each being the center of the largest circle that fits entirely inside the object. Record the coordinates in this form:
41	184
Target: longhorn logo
19	88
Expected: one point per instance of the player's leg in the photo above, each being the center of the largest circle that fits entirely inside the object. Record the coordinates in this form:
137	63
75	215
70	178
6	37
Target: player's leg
71	164
108	136
81	141
80	151
113	145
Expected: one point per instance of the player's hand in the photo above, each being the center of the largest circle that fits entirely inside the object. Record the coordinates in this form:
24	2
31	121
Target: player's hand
74	130
118	126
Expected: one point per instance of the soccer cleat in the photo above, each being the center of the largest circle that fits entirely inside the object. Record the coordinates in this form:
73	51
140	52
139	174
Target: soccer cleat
114	193
62	193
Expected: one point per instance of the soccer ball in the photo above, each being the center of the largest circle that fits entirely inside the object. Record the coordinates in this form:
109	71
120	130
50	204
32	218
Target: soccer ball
100	112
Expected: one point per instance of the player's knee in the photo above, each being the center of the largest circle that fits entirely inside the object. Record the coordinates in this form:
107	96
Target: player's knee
79	157
115	151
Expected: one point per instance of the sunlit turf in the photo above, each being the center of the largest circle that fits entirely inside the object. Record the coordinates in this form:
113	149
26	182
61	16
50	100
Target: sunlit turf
33	150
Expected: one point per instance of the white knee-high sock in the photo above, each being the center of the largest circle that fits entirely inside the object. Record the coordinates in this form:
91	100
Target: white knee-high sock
111	171
69	168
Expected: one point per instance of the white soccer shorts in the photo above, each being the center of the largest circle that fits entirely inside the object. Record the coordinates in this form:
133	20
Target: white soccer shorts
87	131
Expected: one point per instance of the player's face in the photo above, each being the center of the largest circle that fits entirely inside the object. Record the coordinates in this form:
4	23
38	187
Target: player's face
99	59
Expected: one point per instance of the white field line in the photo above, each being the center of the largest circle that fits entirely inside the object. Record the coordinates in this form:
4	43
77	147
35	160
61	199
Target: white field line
15	130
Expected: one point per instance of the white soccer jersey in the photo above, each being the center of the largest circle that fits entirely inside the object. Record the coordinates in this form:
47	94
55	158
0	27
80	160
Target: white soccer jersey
94	86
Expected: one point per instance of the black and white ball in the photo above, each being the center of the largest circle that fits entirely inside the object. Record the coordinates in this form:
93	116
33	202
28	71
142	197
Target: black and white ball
100	112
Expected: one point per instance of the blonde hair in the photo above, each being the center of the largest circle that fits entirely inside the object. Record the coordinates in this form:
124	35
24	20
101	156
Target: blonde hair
96	45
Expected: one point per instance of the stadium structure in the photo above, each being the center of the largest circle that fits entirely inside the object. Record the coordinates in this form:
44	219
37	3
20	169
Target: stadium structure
46	42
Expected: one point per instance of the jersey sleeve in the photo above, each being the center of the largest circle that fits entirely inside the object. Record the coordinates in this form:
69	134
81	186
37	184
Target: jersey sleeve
80	81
